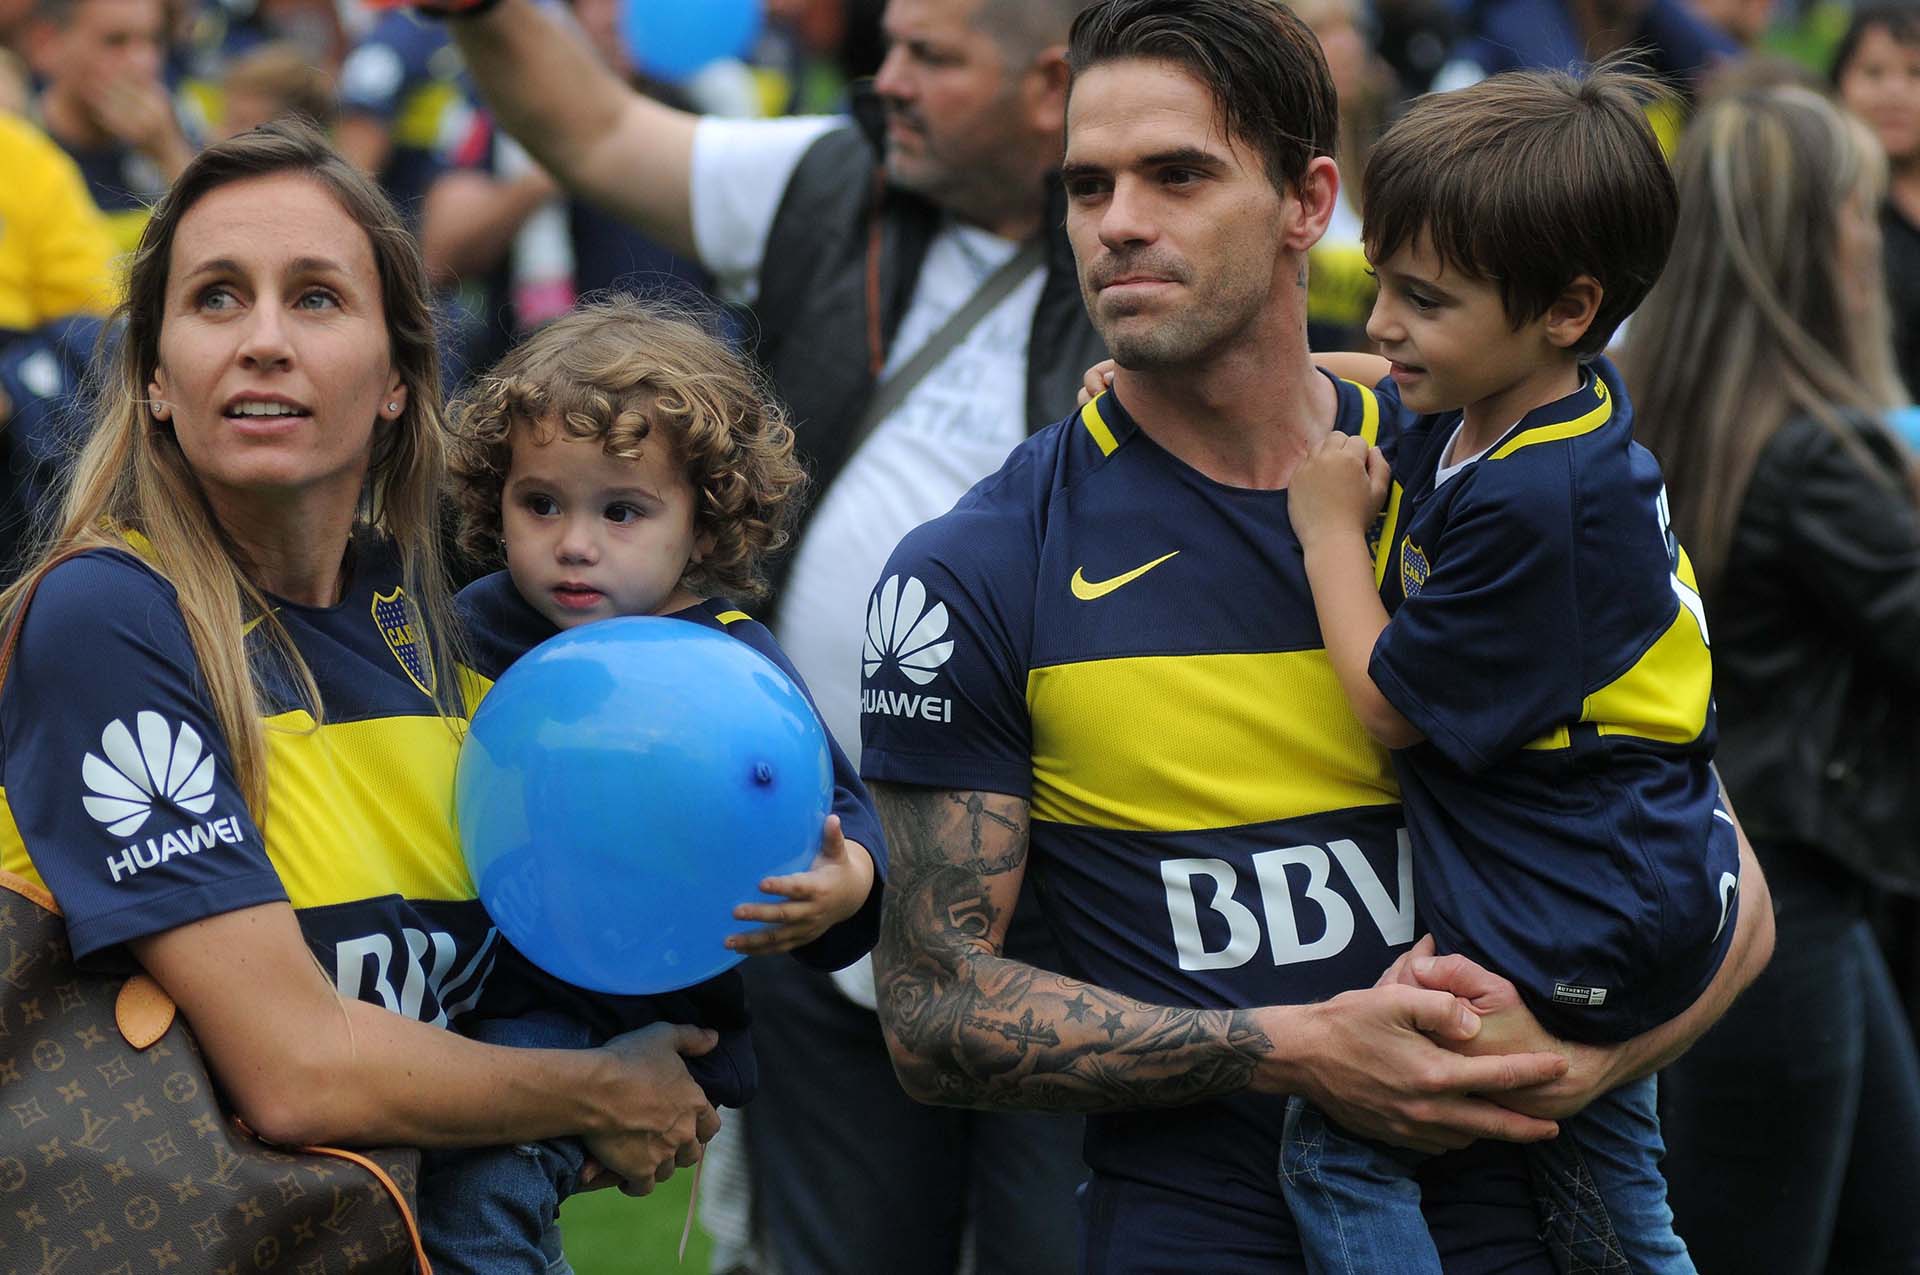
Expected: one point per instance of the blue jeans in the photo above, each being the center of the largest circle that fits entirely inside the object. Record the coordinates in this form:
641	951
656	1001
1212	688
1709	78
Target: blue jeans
1603	1203
495	1210
1795	1120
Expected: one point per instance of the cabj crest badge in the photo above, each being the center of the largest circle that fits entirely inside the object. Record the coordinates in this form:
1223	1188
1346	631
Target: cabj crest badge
1413	569
399	624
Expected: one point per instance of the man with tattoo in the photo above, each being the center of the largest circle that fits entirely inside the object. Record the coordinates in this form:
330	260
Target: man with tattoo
1102	667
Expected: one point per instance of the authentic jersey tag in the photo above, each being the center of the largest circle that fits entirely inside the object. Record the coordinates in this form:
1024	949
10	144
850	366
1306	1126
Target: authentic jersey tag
400	625
1568	994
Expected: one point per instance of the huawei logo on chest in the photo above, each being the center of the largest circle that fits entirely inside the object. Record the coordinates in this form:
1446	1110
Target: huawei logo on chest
136	770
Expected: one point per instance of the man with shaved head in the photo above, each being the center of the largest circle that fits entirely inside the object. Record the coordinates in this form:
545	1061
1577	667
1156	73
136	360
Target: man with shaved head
918	311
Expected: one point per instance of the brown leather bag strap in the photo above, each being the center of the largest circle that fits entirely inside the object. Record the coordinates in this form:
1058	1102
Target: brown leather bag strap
31	891
399	1199
19	619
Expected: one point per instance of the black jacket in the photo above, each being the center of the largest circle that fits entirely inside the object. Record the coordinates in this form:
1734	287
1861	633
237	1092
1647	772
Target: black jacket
817	337
1816	646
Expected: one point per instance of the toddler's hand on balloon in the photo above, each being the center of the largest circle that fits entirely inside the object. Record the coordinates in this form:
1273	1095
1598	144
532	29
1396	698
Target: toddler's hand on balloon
817	900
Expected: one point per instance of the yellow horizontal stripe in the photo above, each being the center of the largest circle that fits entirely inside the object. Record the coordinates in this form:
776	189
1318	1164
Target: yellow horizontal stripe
1102	436
1191	742
1592	420
730	617
356	810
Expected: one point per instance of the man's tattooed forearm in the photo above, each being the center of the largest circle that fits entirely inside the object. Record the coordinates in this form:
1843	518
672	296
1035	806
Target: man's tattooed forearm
968	1027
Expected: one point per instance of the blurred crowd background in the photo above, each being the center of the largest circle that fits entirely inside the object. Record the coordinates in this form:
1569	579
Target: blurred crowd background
103	102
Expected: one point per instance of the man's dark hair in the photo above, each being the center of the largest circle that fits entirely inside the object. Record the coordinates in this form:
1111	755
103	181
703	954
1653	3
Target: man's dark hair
1528	180
1266	72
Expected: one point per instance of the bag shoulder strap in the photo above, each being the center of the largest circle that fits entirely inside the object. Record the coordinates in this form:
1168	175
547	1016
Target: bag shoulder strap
392	1189
992	291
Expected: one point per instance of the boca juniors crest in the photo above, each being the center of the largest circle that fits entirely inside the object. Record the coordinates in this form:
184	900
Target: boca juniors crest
400	625
1413	568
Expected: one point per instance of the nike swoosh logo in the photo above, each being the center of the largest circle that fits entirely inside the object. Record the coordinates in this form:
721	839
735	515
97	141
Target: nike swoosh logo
1088	590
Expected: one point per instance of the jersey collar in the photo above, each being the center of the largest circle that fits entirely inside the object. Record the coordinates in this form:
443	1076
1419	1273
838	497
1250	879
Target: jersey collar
1581	412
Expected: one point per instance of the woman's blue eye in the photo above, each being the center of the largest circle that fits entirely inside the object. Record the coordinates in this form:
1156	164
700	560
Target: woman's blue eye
321	295
217	294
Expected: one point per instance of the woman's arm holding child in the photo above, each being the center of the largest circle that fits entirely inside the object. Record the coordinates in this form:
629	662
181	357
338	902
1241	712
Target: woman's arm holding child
302	1064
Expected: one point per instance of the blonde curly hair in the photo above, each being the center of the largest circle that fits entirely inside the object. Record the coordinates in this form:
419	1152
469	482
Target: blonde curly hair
615	370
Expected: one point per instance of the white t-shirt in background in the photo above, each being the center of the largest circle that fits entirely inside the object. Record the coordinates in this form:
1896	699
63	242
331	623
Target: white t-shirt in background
953	429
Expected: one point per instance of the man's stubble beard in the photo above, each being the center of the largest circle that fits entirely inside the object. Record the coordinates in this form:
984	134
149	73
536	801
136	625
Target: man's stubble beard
1184	338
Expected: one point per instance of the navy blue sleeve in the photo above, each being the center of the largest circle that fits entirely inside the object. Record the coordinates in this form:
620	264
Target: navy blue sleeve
1461	656
116	770
854	937
943	693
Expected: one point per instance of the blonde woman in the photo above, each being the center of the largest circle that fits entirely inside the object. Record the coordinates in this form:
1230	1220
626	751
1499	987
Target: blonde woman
230	729
1761	368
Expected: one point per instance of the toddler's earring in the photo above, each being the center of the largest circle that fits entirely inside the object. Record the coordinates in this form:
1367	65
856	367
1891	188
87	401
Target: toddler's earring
393	409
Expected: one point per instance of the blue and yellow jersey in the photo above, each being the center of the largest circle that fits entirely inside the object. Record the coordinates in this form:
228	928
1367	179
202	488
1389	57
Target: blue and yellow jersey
1548	640
119	792
1130	646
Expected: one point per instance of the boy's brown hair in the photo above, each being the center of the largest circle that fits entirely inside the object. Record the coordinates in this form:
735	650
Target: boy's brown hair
1528	180
617	370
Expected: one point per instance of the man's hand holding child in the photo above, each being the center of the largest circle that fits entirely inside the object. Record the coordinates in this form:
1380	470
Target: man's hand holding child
826	894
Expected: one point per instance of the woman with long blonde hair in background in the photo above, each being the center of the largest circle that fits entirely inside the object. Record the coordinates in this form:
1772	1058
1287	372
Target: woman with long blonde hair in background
1761	370
227	741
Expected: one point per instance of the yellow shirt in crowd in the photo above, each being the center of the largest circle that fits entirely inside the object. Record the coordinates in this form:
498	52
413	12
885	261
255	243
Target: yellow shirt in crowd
56	257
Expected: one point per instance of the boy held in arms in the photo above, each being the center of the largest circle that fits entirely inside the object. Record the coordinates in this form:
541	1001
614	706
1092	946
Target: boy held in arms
1539	664
626	462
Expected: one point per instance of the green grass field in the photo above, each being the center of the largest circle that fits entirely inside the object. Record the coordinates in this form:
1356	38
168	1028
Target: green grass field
608	1233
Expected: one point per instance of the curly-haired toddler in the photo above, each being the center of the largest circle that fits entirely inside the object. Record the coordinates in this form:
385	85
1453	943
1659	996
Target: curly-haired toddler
627	462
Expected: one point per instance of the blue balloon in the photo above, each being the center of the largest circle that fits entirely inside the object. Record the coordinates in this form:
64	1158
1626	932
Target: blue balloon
1906	423
624	786
672	39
